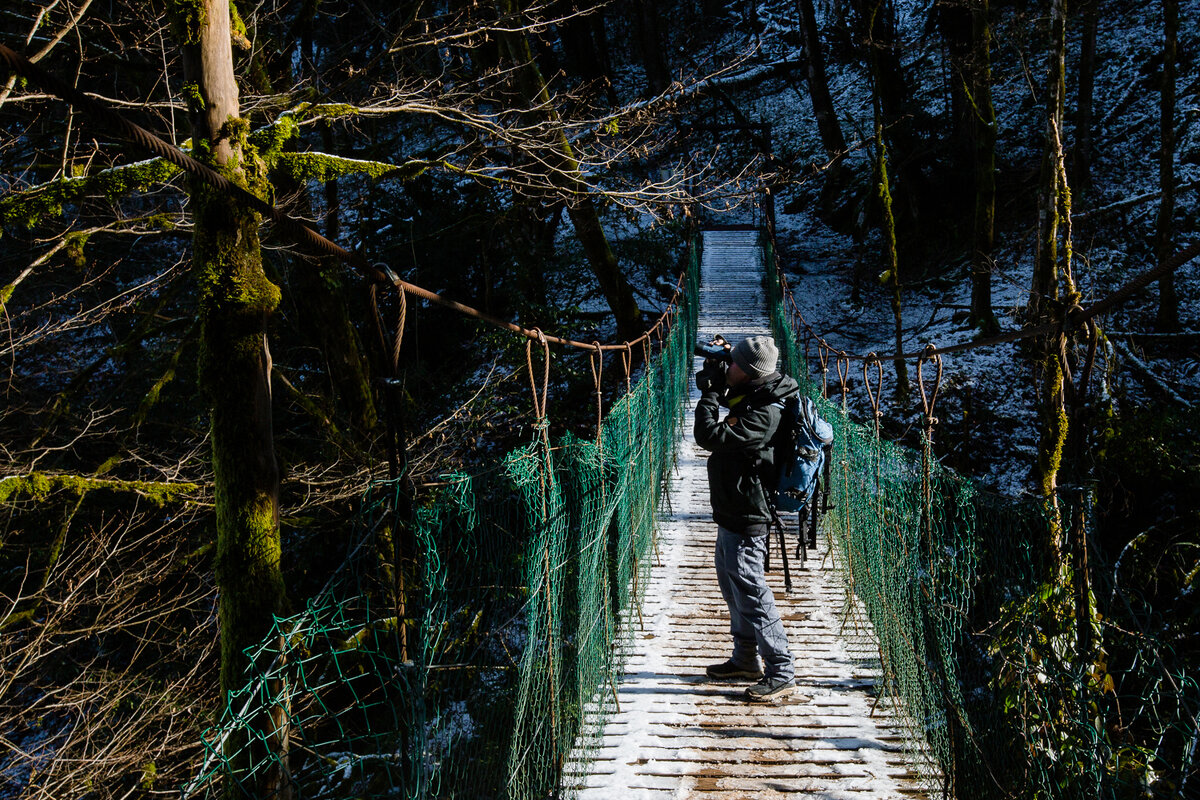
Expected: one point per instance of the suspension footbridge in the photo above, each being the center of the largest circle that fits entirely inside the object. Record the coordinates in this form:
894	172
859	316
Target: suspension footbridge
540	628
679	734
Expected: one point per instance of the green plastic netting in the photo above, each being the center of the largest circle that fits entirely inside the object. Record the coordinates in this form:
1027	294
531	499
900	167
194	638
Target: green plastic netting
975	626
495	676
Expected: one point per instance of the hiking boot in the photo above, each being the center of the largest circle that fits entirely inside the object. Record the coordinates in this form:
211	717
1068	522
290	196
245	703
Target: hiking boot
768	690
730	670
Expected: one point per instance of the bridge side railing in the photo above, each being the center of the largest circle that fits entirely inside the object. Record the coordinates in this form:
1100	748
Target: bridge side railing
495	673
974	659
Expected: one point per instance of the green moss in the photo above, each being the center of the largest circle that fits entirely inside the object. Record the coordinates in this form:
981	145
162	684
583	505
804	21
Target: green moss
325	110
268	141
149	774
192	96
38	486
109	463
237	27
1055	435
335	110
25	209
74	250
236	129
162	222
322	167
187	18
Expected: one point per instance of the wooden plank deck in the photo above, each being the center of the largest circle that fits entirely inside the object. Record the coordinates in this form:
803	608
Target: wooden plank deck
679	735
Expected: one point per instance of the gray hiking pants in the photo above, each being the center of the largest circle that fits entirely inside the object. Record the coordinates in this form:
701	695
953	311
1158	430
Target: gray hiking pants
753	619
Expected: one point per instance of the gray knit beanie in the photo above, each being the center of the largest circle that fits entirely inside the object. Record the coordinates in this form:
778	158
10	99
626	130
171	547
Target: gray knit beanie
756	356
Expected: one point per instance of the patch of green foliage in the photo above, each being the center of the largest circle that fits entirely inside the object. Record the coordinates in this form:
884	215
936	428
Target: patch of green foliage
322	167
269	140
187	18
25	209
38	486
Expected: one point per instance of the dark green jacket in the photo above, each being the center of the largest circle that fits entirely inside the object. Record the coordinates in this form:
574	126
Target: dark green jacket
737	443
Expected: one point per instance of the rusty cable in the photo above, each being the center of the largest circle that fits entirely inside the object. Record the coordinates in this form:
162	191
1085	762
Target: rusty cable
401	318
874	397
539	406
823	355
930	353
843	370
928	402
597	362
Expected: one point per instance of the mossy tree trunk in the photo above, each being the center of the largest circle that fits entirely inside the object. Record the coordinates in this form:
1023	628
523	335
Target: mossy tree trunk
1053	284
1168	300
236	300
891	275
565	175
887	220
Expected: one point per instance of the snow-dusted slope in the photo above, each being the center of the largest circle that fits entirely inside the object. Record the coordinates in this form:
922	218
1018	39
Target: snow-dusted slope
679	735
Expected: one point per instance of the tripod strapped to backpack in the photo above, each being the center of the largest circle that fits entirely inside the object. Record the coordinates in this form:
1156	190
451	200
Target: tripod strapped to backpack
801	447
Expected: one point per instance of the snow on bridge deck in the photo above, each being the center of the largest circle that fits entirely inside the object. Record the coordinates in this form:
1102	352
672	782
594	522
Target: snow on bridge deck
679	735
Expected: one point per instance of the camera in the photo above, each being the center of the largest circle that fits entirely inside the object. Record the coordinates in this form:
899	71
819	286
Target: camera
718	350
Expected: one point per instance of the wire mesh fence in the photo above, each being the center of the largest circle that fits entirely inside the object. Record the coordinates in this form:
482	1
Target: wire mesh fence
474	653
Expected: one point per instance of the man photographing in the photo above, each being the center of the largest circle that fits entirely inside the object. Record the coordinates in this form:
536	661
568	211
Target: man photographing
748	384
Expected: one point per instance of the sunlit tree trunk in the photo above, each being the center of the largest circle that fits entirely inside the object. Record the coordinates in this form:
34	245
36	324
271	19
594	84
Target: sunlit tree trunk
891	275
1168	301
887	224
566	177
236	300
